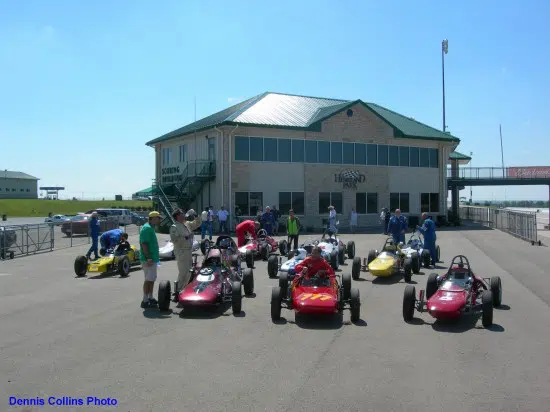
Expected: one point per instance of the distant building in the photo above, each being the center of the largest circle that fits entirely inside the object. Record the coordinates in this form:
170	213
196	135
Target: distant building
18	185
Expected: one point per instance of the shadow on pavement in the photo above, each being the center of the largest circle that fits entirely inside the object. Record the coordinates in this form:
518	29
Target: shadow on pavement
320	322
390	280
154	313
113	275
502	307
463	325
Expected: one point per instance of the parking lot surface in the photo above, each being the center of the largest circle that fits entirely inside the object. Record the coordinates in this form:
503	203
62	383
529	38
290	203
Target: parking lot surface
63	336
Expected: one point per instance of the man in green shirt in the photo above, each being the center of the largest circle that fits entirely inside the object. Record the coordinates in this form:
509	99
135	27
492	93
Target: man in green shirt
293	228
149	257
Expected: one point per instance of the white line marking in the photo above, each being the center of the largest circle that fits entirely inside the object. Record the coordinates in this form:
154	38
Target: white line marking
5	274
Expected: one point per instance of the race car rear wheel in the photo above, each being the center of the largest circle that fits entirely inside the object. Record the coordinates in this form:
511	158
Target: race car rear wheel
283	247
431	285
356	268
80	266
346	286
283	283
249	259
164	295
409	300
496	290
236	297
371	256
123	266
407	269
334	260
487	307
351	249
276	298
272	266
248	282
341	255
426	258
355	305
415	263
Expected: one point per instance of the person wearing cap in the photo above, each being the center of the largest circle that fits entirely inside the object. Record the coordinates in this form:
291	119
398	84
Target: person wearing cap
268	221
95	228
332	219
428	230
397	227
181	235
248	226
149	258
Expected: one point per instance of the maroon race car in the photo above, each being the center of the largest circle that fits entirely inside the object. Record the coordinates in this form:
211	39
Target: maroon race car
262	248
217	280
456	293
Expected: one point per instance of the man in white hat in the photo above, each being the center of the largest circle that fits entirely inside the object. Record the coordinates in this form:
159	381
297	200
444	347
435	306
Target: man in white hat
181	235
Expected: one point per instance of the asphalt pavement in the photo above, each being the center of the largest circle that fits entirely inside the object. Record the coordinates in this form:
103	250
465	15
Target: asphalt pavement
63	336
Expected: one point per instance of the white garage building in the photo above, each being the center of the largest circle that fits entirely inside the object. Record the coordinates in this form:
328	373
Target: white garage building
18	185
306	153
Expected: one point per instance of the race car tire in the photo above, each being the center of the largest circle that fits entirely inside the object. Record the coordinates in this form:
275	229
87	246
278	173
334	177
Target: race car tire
431	285
248	282
355	305
123	266
346	286
409	299
283	282
272	266
371	256
205	246
12	255
235	261
236	297
341	255
334	260
438	253
416	263
290	255
356	268
263	252
351	249
496	290
426	258
487	308
407	269
164	295
283	247
276	298
80	266
249	259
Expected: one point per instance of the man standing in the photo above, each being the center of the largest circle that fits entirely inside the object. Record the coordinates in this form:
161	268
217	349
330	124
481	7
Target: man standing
276	215
397	227
149	257
268	221
428	230
181	234
207	218
222	217
110	239
95	228
248	226
293	227
332	220
353	220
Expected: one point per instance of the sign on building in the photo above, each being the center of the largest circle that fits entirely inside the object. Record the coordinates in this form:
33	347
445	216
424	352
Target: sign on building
535	172
349	179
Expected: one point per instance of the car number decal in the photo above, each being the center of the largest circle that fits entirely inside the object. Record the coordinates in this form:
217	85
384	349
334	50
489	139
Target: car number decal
315	296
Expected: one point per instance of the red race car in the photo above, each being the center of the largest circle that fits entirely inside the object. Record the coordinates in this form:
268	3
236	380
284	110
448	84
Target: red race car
458	292
262	248
217	280
316	295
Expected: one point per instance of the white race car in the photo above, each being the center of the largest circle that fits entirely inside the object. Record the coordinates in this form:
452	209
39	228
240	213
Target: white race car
334	250
275	264
420	256
167	251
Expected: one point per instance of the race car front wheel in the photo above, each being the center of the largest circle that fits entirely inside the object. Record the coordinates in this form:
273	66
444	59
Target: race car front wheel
80	266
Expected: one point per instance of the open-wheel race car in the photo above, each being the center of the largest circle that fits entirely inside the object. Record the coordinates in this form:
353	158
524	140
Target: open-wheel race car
167	251
217	280
319	294
111	261
334	250
392	260
275	263
416	245
456	293
261	248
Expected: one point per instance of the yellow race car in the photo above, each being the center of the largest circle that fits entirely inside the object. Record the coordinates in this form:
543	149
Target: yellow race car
390	261
111	261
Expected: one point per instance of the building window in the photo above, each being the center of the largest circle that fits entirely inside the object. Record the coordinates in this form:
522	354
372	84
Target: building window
399	201
22	190
336	152
403	156
366	203
285	150
182	153
372	202
292	200
327	199
360	154
348	153
298	151
256	149
270	150
433	155
372	154
424	157
414	156
311	151
382	155
28	190
429	202
13	190
249	202
324	152
166	156
242	149
393	156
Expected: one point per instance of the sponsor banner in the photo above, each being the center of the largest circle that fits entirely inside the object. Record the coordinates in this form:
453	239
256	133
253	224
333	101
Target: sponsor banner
538	172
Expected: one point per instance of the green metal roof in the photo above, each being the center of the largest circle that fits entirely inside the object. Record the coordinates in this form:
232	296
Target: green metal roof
459	156
277	110
147	191
8	174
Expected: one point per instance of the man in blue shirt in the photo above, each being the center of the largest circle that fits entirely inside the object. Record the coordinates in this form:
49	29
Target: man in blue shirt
428	230
110	239
94	235
397	227
268	221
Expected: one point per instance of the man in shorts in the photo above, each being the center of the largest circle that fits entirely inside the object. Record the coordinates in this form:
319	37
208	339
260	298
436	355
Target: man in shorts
149	257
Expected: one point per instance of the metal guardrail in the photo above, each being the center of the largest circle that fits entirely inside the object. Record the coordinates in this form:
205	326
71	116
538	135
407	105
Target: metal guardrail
520	224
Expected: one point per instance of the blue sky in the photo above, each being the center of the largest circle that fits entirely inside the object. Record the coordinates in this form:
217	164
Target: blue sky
85	84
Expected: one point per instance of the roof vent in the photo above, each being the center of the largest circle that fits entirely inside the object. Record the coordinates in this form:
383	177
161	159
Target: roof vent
349	112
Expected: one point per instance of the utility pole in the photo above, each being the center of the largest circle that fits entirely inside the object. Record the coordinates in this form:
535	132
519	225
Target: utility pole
444	51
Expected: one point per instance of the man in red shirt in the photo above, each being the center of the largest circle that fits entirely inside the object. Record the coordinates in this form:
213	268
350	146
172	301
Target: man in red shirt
248	226
313	265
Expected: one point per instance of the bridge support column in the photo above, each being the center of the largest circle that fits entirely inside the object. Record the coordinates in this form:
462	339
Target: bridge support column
455	203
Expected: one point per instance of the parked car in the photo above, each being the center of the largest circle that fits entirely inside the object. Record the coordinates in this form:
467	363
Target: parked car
79	225
57	220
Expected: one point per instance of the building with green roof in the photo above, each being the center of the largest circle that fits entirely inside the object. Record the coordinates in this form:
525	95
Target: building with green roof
18	185
306	153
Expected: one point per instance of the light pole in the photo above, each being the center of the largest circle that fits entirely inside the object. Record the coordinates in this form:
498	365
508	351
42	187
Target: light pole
471	154
444	51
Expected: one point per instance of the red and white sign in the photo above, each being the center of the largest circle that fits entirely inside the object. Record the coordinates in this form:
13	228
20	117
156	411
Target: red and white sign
535	172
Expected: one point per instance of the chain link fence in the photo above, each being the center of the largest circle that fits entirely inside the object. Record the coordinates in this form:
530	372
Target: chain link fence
520	224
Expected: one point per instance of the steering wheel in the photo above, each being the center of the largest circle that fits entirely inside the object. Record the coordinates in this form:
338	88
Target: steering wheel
262	233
